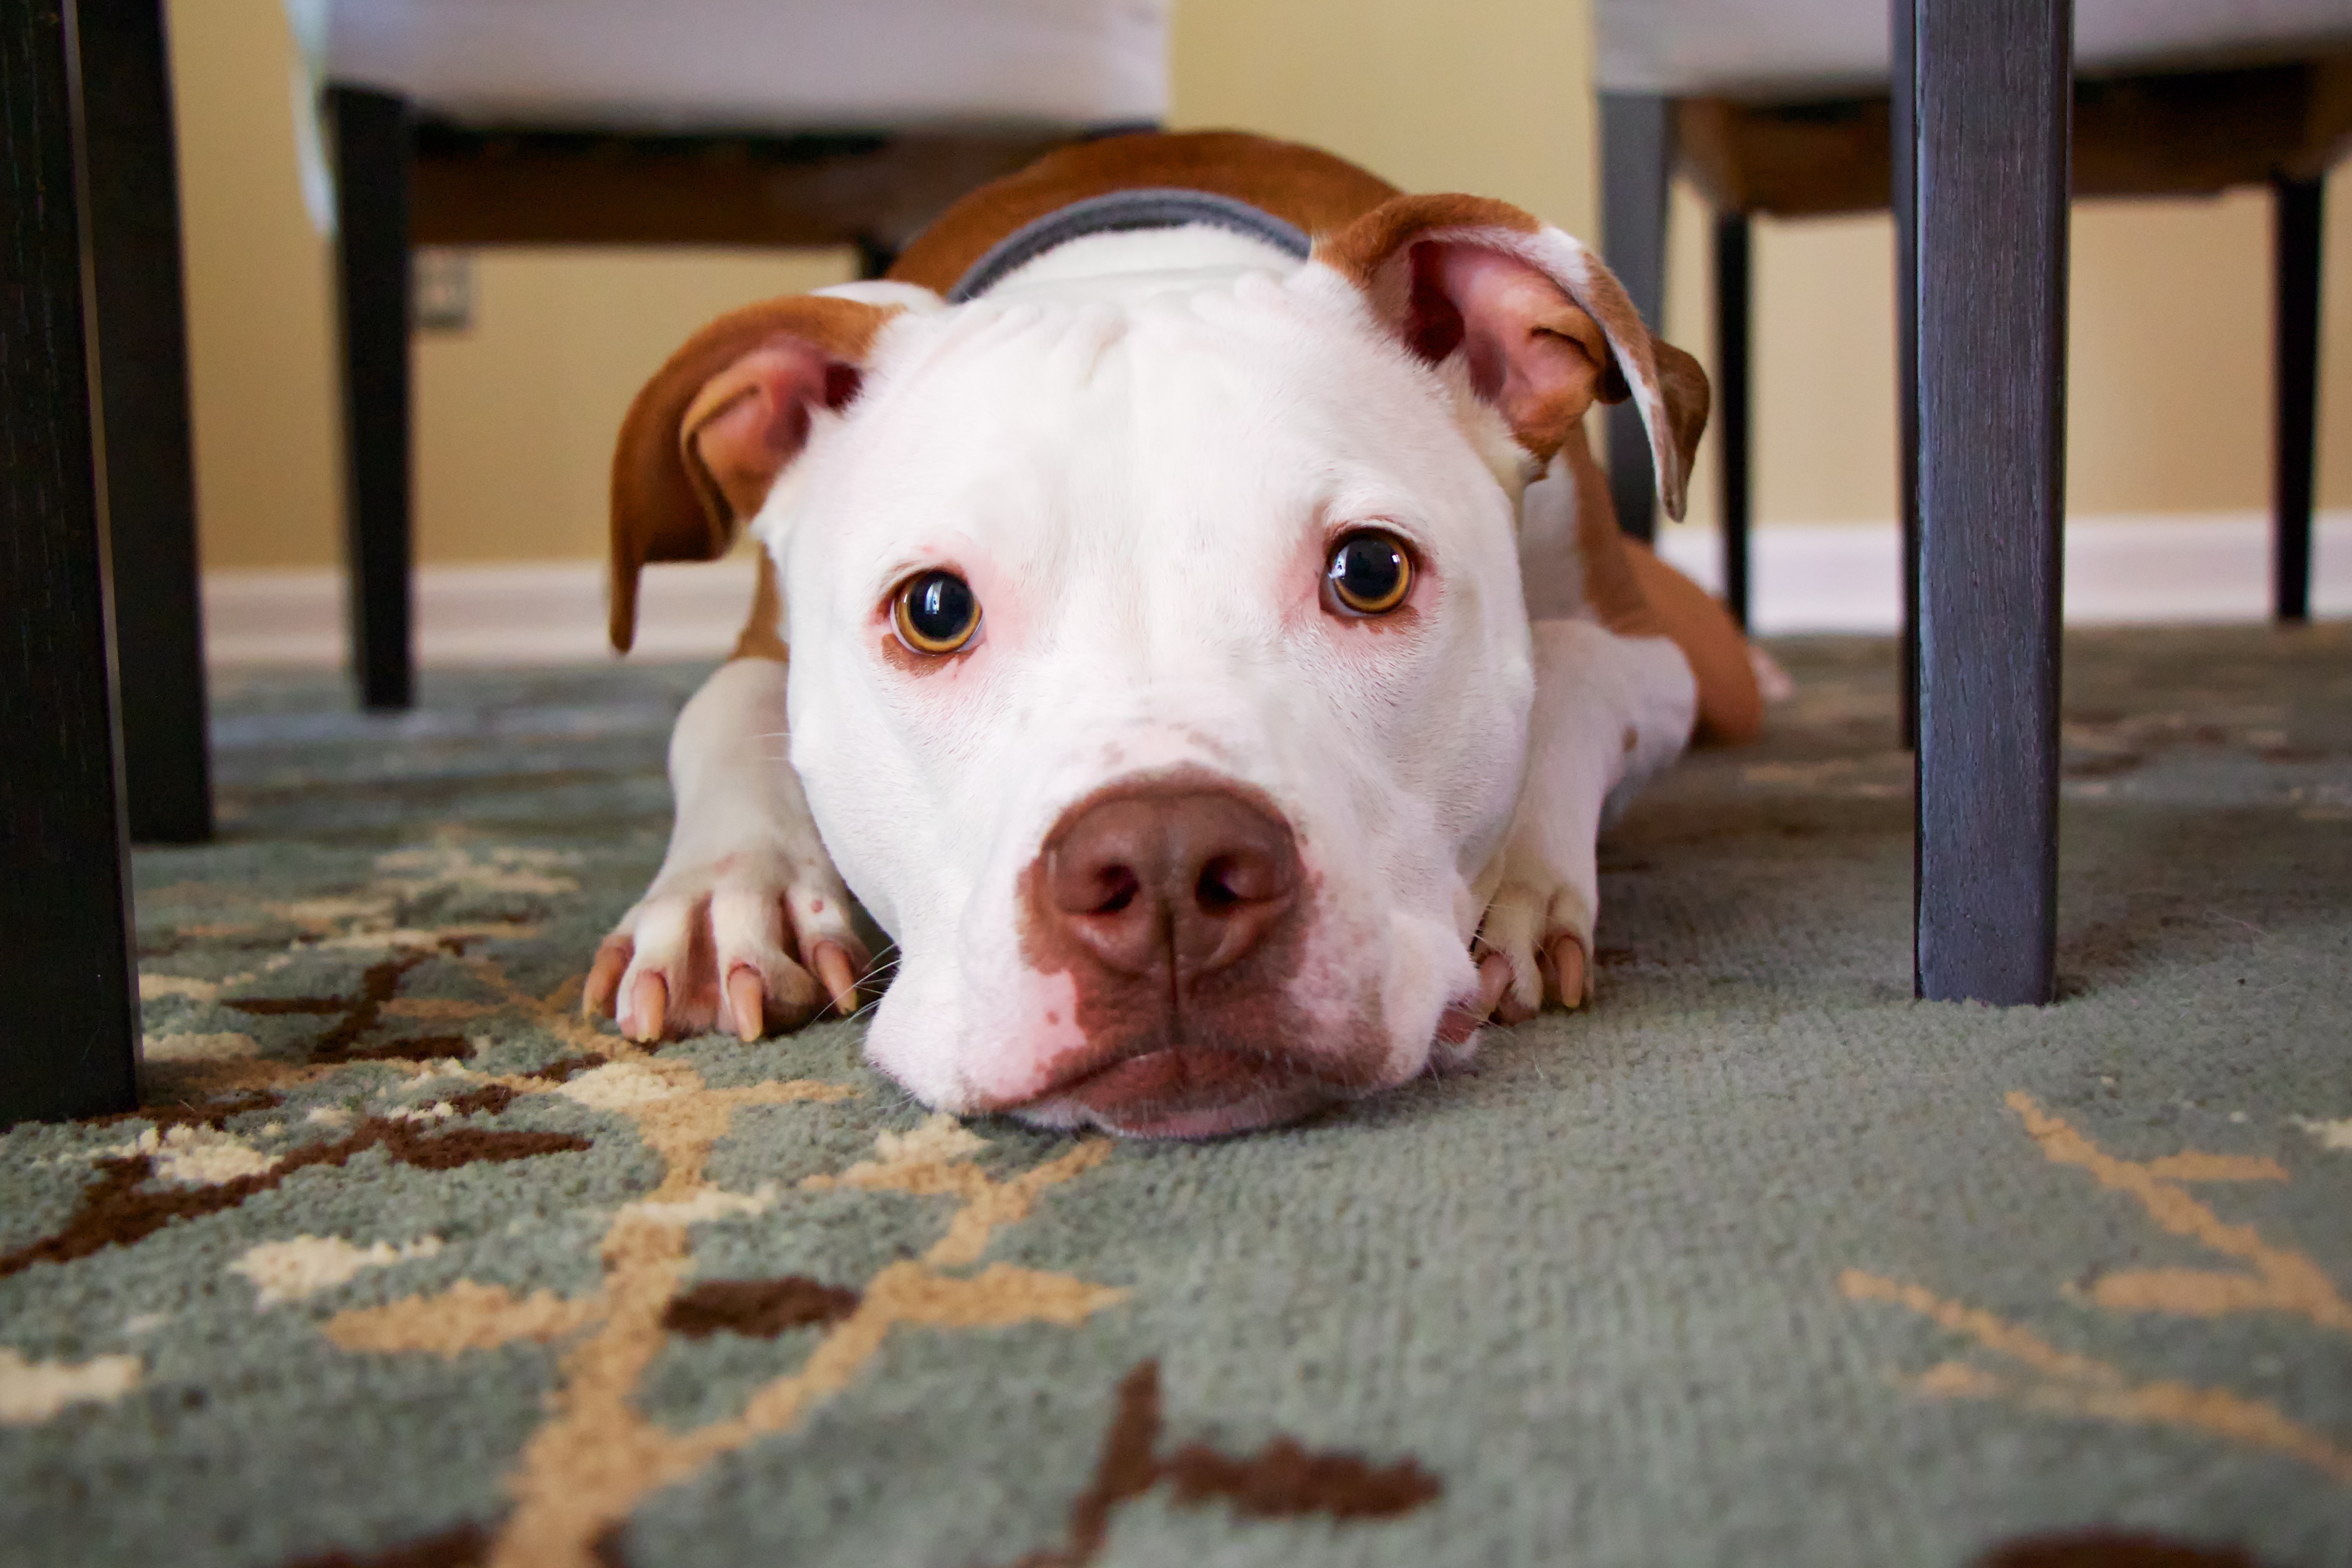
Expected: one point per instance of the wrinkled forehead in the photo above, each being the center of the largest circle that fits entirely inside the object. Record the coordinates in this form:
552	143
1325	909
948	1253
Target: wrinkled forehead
1199	409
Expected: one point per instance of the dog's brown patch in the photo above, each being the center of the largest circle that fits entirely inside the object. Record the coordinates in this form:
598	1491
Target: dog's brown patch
666	507
1302	186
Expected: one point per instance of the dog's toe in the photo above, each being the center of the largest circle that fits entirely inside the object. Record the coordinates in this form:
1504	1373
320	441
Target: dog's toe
1549	956
753	956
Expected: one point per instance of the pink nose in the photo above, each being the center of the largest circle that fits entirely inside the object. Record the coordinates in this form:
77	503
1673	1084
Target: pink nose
1174	880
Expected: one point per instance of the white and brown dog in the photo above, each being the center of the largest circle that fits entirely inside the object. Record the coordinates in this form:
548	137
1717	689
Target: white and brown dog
1213	651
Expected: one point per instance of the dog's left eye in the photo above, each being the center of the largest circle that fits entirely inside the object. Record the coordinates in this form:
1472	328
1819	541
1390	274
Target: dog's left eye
936	612
1368	573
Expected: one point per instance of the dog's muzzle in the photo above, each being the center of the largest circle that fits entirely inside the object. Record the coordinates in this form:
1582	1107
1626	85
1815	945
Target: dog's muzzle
1179	908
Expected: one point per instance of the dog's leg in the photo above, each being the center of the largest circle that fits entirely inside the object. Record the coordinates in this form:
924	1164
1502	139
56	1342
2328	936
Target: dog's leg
1610	711
747	915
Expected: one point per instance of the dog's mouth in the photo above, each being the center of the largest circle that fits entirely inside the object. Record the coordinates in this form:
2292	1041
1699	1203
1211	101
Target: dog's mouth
1187	1091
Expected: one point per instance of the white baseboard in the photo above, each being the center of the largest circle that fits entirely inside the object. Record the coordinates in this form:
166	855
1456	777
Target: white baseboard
538	612
1835	577
2120	570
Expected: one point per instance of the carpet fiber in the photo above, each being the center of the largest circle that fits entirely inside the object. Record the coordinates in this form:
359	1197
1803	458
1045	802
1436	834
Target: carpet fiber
1756	1261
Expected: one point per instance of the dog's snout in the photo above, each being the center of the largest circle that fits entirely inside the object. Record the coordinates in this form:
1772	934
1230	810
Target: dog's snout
1183	880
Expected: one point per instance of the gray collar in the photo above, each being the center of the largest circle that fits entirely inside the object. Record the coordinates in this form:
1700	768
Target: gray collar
1118	213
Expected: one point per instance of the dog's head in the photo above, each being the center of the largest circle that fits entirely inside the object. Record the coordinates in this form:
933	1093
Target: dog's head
1160	675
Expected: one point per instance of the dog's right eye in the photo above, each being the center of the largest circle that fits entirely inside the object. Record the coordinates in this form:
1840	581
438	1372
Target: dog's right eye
935	613
1368	574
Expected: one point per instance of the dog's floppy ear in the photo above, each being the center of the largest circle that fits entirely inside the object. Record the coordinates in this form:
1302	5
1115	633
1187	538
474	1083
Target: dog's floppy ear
1547	330
706	437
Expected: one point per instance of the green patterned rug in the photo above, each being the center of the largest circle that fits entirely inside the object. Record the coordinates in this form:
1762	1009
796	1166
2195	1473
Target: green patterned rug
1756	1261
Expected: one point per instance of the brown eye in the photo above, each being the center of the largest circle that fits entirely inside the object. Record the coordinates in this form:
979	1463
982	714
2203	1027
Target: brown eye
935	613
1368	573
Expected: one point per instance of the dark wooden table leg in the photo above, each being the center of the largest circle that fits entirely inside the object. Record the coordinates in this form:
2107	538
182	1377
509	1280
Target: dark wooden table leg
1636	150
68	1007
1904	185
371	132
874	256
1993	99
1733	293
2296	342
151	501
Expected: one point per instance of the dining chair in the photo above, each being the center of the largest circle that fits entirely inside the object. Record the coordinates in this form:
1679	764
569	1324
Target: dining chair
712	122
1975	121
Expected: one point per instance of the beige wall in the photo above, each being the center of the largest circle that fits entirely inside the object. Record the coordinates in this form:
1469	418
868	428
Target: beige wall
258	308
514	420
1490	96
2169	348
2168	397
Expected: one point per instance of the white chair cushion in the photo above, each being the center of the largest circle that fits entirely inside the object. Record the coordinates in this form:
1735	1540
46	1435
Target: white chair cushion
758	65
1779	48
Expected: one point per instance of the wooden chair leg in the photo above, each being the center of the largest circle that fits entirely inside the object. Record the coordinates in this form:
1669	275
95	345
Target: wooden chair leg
371	135
1992	86
70	1043
2296	322
1636	150
142	341
1734	292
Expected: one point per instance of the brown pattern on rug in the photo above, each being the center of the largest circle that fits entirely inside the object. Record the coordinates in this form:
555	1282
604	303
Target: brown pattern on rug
2100	1548
358	1015
213	1114
119	1209
467	1546
762	1309
1281	1480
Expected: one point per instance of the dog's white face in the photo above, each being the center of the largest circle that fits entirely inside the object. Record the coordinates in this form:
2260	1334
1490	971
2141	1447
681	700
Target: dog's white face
1185	834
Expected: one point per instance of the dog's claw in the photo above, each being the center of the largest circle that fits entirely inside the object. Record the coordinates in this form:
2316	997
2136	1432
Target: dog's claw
1567	961
649	1000
833	966
602	986
1494	981
748	1000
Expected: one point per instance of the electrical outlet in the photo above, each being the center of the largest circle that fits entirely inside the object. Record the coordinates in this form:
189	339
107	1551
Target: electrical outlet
442	290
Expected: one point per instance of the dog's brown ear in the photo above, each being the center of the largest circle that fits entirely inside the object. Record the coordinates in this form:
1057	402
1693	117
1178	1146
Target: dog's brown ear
706	437
1545	330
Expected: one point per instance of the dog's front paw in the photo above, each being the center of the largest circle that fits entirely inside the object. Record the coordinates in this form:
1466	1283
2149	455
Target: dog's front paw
753	944
1545	934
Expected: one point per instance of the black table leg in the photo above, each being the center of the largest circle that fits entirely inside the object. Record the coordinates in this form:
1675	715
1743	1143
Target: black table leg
1733	293
1992	100
1635	150
151	503
1903	196
68	1010
2296	364
372	135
